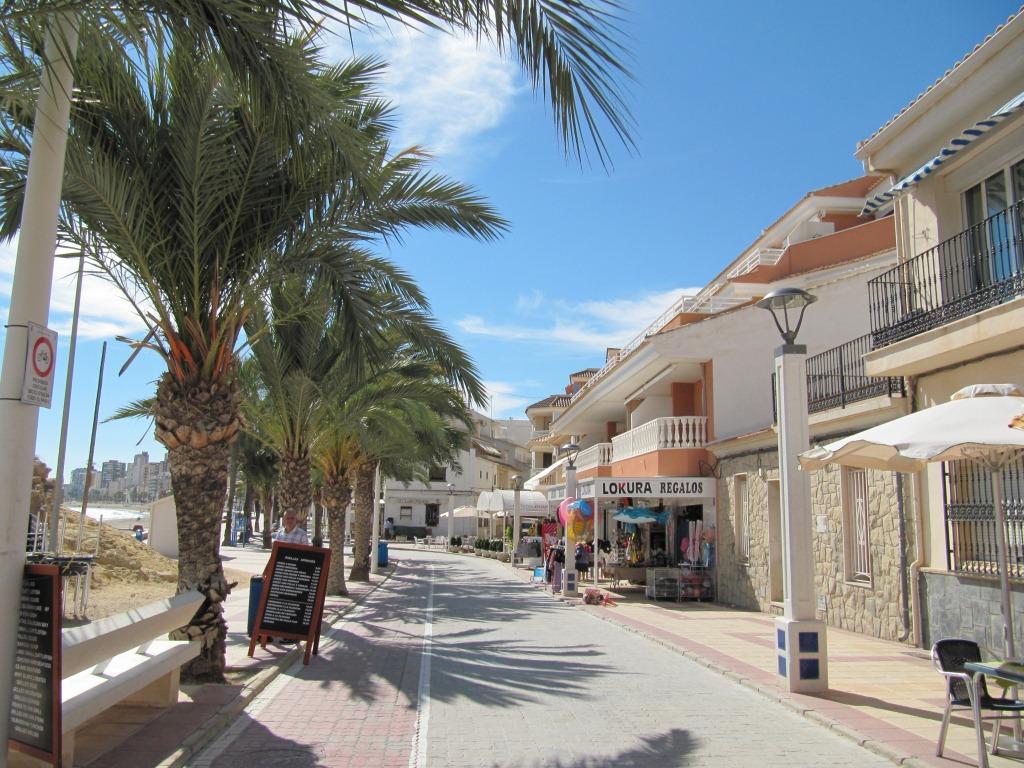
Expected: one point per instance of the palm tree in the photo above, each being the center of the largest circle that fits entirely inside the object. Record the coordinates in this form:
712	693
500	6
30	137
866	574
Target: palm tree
405	418
192	194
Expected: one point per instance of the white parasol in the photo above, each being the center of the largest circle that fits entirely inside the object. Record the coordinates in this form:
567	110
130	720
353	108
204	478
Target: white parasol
974	425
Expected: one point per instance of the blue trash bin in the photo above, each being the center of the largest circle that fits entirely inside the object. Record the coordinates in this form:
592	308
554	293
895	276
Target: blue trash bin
382	553
255	593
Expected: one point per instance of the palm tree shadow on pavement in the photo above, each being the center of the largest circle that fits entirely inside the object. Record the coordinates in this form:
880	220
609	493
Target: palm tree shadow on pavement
664	750
381	651
258	745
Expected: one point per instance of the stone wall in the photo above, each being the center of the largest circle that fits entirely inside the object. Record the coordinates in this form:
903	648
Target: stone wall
954	605
872	608
744	585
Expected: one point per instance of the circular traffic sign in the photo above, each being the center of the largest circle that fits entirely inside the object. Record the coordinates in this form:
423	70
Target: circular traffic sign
42	357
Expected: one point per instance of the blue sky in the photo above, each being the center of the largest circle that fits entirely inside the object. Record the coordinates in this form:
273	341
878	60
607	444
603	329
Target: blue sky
742	107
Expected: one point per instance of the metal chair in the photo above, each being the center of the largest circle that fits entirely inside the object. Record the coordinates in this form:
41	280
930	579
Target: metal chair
949	657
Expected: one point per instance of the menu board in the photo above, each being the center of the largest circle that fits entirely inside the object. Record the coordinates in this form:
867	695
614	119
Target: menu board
35	725
292	603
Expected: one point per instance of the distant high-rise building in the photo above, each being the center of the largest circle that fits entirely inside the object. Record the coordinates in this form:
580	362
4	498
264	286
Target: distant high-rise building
110	471
137	474
77	486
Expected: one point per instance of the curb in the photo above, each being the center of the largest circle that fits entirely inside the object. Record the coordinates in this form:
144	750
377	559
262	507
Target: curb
876	747
196	741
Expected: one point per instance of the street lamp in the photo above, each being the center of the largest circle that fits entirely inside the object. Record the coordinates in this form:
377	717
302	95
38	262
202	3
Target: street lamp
800	639
569	589
517	487
451	512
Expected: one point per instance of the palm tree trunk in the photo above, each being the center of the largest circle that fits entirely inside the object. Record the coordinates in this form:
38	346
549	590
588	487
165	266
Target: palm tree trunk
268	519
294	486
198	423
229	514
337	494
362	522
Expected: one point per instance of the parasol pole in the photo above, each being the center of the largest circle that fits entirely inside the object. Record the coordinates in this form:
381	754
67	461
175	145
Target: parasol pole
996	468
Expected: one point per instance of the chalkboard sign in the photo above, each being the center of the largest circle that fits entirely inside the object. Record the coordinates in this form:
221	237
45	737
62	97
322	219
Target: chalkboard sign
292	603
35	724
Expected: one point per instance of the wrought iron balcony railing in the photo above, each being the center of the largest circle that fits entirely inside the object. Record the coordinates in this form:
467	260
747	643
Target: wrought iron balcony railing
836	378
979	268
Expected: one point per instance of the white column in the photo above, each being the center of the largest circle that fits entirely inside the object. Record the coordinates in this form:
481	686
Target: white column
516	521
569	572
801	640
375	537
30	302
451	512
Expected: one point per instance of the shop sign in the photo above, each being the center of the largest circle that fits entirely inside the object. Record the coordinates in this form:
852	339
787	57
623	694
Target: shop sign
656	487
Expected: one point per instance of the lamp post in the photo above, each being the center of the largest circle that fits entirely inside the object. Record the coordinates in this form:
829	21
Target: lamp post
800	638
569	587
517	487
451	512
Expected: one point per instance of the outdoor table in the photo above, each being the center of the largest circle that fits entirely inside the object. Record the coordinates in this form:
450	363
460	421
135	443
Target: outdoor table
1007	672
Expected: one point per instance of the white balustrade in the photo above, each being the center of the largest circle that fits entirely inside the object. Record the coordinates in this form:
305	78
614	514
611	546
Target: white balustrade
599	455
661	434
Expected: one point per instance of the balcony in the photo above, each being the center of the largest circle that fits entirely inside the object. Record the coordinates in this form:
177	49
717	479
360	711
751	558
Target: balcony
970	272
599	455
836	378
661	434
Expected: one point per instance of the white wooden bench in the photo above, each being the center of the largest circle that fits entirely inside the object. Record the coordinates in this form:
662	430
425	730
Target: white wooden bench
125	658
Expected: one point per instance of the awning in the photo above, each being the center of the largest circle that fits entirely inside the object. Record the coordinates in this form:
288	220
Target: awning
534	482
966	137
502	503
640	515
462	512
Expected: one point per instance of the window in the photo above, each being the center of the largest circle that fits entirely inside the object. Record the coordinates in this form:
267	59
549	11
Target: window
970	518
992	211
438	475
433	514
856	525
405	513
741	505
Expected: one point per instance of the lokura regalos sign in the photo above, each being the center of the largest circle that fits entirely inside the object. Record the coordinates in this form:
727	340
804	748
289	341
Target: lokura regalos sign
656	487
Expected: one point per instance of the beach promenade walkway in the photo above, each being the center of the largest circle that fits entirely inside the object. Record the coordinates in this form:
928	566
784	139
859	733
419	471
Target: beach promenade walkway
491	646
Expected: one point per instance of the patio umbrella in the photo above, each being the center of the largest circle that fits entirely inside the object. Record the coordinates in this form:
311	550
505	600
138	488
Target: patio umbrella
974	425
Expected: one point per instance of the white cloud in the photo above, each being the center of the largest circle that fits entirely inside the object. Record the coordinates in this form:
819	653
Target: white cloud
504	401
595	325
104	311
449	91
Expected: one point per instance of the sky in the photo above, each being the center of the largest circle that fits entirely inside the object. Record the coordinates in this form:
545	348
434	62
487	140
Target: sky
741	107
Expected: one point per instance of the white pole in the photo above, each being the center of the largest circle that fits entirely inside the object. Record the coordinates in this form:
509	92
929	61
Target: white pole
517	511
593	557
570	541
375	538
451	512
1004	576
801	640
58	489
30	302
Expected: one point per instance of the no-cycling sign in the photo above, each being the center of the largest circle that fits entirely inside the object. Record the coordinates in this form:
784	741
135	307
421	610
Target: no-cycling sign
40	363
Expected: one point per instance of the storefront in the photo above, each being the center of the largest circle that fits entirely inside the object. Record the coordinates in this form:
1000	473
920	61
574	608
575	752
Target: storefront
654	529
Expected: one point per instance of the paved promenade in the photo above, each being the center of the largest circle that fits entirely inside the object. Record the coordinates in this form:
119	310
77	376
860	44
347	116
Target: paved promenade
458	661
454	662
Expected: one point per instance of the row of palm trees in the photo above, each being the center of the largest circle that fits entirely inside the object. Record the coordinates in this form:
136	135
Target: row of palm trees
234	185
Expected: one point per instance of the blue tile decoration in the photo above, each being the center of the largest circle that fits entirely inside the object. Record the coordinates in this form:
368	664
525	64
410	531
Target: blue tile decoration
808	642
809	669
781	643
782	666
